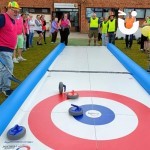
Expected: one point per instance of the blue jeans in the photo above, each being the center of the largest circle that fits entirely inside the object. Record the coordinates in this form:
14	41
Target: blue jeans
104	39
31	34
5	83
111	37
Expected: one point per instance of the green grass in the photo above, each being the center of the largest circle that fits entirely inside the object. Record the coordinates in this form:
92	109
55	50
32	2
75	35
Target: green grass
36	54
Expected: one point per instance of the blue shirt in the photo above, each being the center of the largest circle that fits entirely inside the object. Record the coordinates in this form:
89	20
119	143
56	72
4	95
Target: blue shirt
2	20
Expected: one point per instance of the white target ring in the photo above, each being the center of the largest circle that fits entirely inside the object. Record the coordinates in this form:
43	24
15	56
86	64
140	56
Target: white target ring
125	121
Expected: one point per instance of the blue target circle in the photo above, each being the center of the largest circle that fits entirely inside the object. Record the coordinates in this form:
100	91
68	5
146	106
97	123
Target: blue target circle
95	115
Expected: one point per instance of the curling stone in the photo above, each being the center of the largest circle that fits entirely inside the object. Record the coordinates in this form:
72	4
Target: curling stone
62	88
16	132
72	95
75	110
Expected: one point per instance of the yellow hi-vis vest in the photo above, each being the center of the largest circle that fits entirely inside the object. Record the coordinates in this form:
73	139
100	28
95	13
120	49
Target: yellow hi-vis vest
104	27
112	27
148	21
93	22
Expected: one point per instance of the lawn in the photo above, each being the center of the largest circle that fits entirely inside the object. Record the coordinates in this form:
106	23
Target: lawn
37	53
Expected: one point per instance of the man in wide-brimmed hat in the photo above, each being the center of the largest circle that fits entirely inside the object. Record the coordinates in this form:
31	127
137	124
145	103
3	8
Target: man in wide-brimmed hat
8	40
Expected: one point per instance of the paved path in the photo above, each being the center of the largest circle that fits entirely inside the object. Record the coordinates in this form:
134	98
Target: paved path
72	35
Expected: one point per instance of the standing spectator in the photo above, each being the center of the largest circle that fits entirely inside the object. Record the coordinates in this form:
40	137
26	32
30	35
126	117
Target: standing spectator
144	39
76	21
112	28
104	29
38	29
94	25
31	30
128	24
27	29
43	27
99	30
65	26
54	29
8	41
20	40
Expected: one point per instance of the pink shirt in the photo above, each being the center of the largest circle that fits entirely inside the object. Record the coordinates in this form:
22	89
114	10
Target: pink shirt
19	22
8	33
65	23
26	26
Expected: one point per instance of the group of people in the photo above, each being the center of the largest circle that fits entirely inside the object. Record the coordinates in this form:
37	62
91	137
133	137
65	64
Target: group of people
63	26
16	35
26	26
107	27
17	32
144	43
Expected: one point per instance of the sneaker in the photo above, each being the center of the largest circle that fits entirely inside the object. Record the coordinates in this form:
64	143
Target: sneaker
15	60
21	59
7	92
142	50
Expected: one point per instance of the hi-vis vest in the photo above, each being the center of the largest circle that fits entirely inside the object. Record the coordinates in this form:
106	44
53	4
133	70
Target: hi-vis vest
112	27
129	22
148	21
93	22
104	27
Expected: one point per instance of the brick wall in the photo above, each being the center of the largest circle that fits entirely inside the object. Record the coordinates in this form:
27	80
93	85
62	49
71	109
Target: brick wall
82	6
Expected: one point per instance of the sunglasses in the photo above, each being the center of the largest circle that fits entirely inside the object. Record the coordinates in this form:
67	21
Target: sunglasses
15	11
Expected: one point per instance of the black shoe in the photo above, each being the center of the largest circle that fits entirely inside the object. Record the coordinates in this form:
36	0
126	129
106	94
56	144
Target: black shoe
7	92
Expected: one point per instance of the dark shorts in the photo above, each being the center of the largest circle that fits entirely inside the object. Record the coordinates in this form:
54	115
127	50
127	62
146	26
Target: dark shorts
39	32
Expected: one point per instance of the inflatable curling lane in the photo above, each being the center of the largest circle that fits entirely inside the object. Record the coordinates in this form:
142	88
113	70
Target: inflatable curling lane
137	72
12	104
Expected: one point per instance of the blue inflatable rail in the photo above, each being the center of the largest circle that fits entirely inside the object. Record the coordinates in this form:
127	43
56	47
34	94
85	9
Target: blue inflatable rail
12	104
138	73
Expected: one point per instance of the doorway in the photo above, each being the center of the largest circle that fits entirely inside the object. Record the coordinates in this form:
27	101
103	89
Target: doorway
73	16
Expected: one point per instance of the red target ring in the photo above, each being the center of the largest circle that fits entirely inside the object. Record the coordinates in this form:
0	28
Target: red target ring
44	130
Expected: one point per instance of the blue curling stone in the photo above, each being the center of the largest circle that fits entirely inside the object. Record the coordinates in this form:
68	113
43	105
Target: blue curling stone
16	132
75	110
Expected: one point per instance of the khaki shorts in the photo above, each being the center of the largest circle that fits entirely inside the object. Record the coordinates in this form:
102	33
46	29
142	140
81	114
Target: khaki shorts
93	33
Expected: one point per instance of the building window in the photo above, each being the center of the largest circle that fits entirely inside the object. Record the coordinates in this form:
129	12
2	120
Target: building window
36	10
45	11
32	10
140	13
128	10
147	12
100	12
89	12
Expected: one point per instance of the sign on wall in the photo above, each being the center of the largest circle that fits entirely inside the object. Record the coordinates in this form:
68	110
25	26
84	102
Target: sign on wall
65	5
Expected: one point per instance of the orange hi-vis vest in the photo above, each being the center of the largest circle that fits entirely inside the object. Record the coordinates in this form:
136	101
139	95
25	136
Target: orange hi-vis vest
129	22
